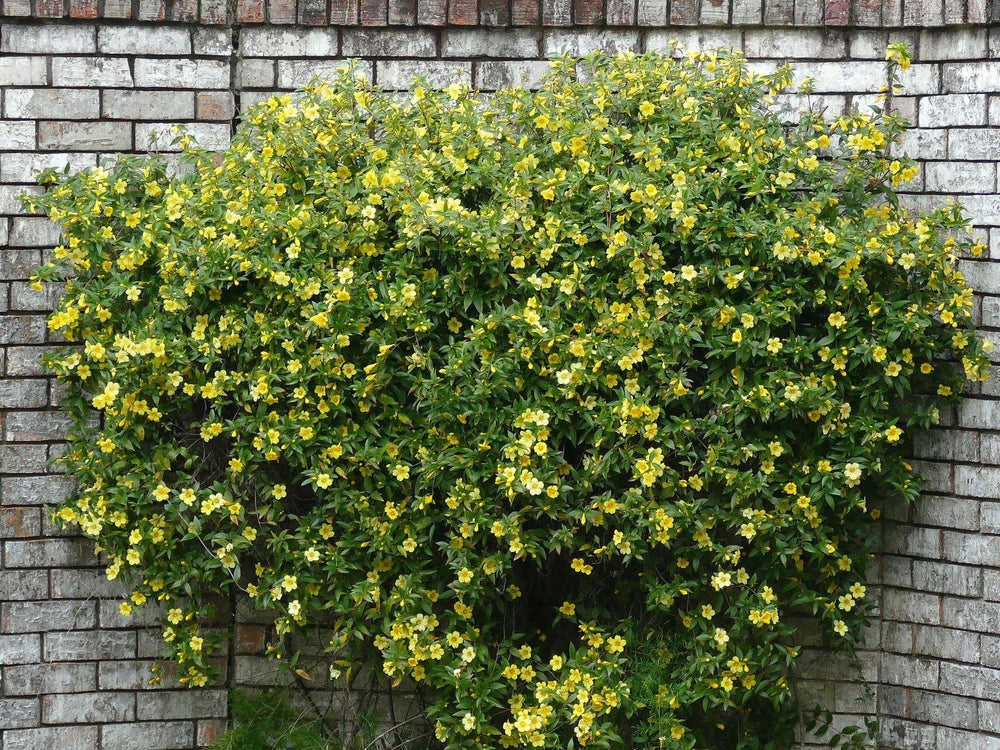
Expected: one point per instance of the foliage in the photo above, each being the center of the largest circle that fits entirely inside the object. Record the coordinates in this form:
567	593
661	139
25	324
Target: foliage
556	404
266	722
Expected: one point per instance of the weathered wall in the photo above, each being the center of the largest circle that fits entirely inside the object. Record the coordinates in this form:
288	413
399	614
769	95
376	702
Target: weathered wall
82	79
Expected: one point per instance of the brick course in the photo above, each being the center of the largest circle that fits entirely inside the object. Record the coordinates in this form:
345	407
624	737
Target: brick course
74	673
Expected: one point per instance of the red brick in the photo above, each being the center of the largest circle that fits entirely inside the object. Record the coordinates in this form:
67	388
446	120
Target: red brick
214	11
402	12
250	639
684	12
214	105
50	9
343	12
374	13
432	12
838	12
312	12
588	12
184	11
526	13
463	12
210	731
281	11
18	523
83	8
250	11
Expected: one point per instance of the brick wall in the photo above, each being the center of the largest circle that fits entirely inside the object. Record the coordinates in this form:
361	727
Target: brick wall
82	79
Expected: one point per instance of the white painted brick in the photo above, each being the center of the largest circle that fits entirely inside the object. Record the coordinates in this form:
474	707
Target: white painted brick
158	136
22	71
275	42
128	675
95	135
380	43
659	40
159	735
980	210
20	649
949	738
18	713
70	104
580	43
107	72
911	671
491	75
960	177
254	73
971	76
971	549
252	98
212	42
47	38
945	578
87	708
952	44
510	44
983	276
143	40
907	735
989	711
989	449
946	643
911	606
149	105
63	738
953	109
30	231
795	43
981	143
950	710
897	571
24	167
947	512
925	144
157	73
32	679
920	79
297	73
840	77
89	645
181	704
966	679
16	136
398	75
937	475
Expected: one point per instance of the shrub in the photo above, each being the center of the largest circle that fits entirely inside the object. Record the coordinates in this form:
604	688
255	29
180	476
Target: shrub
554	404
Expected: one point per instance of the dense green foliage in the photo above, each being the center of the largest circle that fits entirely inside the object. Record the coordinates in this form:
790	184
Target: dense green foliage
554	405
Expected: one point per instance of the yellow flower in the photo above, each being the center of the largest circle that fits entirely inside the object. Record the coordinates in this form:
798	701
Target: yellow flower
616	644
